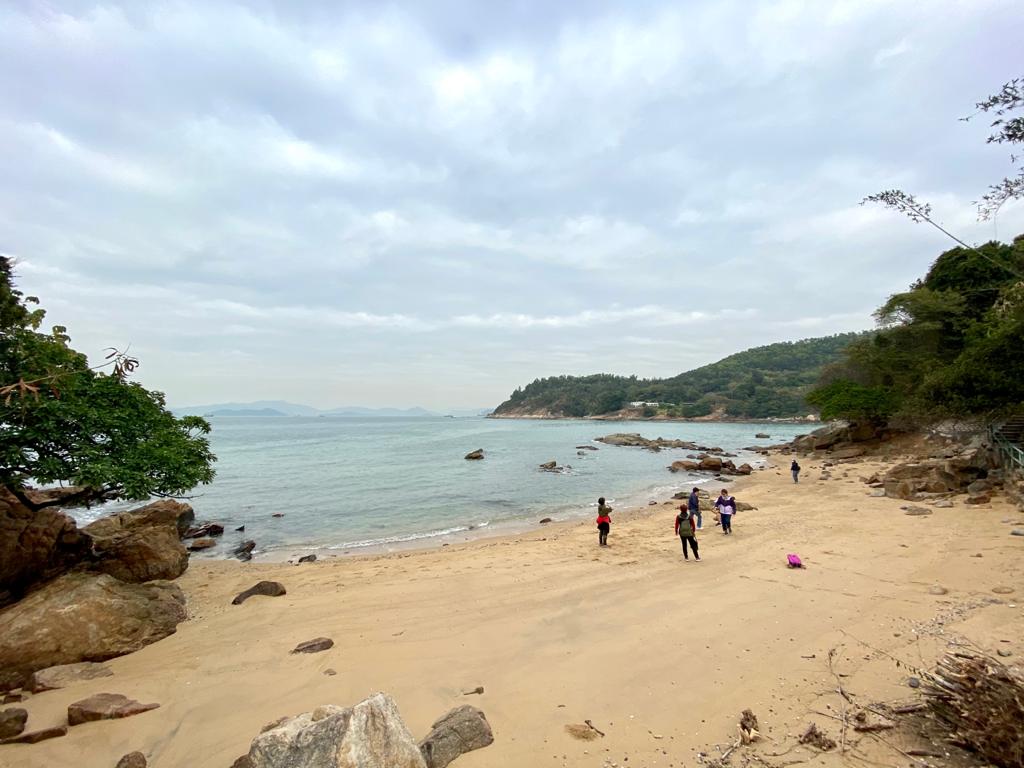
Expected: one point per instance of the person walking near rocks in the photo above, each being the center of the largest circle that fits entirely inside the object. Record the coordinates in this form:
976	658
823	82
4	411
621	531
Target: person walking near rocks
726	506
795	469
604	522
693	507
686	530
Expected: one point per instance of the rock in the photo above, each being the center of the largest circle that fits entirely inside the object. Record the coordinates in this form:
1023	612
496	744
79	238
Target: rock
369	735
917	511
84	617
545	520
981	498
197	545
142	544
244	548
685	466
243	762
36	736
742	506
943	504
240	528
711	464
877	493
268	588
12	722
762	435
475	455
1003	590
549	465
132	760
681	494
314	646
913	682
744	469
35	546
105	706
307	559
278	514
12	698
244	556
978	487
581	731
587	447
330	672
204	530
1004	653
63	675
462	730
935	589
1017	532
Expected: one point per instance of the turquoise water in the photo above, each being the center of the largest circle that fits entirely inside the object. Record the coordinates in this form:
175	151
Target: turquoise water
352	484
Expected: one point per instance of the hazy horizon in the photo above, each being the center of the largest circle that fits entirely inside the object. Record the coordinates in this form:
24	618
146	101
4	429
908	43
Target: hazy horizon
397	205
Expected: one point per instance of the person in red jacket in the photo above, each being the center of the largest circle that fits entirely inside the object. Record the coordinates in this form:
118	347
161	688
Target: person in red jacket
604	522
686	530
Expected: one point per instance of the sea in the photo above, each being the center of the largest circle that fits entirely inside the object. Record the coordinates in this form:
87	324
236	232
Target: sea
333	485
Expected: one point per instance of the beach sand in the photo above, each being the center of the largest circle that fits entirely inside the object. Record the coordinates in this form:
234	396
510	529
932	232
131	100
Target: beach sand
660	654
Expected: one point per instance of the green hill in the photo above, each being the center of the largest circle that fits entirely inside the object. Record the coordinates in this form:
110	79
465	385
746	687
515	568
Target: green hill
763	382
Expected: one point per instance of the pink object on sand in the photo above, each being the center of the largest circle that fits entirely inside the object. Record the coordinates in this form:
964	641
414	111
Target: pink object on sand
794	561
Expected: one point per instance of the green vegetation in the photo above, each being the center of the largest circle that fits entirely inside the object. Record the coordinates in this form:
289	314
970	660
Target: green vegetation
764	382
62	421
951	346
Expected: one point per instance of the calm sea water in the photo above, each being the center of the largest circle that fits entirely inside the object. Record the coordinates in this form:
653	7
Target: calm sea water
351	484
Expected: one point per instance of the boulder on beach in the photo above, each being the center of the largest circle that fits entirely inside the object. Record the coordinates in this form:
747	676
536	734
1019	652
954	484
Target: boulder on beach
105	706
308	558
35	546
142	544
197	545
63	675
462	730
475	455
12	722
711	464
314	646
84	617
204	530
685	466
268	588
369	735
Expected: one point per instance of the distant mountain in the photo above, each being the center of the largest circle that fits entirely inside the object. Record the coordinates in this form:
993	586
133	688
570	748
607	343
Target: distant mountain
356	410
764	382
245	412
283	408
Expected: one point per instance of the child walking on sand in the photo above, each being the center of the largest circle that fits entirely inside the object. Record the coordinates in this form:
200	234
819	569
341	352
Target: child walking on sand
686	530
726	506
604	522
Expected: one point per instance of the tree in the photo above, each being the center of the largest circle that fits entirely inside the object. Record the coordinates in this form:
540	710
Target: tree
64	421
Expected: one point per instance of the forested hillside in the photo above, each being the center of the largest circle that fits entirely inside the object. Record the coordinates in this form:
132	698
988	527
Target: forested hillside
763	382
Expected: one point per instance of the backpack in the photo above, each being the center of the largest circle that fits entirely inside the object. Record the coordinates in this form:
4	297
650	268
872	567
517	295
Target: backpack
794	561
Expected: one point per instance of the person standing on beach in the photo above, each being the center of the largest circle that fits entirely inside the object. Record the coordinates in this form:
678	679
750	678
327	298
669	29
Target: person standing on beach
686	530
726	506
795	469
604	522
693	507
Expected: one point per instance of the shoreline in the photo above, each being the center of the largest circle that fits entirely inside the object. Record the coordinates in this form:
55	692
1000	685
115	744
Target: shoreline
816	423
557	631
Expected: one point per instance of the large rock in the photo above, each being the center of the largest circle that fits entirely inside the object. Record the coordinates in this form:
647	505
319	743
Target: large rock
711	464
105	706
945	475
475	455
369	735
35	546
461	730
12	722
84	617
142	544
268	588
63	675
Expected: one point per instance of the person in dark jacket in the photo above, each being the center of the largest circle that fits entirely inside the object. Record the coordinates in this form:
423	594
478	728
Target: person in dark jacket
795	469
604	522
693	507
686	530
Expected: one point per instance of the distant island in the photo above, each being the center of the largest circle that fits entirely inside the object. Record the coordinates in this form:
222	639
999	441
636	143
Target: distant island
283	408
767	382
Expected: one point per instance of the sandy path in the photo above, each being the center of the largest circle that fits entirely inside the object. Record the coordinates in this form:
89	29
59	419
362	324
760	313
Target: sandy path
558	631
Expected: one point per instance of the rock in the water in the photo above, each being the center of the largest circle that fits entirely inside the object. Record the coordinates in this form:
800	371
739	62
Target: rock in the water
142	544
684	466
12	722
240	528
64	675
268	588
307	559
84	617
35	546
762	435
744	469
105	706
197	545
314	646
711	464
475	455
244	548
369	735
132	760
204	530
34	737
462	730
549	465
545	520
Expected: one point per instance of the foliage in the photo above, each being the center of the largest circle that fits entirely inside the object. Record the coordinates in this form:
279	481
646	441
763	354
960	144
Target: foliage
764	382
1008	130
62	421
951	346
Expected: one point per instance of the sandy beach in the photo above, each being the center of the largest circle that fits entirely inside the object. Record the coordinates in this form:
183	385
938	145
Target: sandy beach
660	654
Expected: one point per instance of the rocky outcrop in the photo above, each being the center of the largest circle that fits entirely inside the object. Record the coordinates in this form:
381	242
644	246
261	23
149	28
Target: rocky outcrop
834	435
84	617
34	737
105	706
369	735
955	474
462	730
142	544
35	546
475	455
713	464
62	675
12	722
268	588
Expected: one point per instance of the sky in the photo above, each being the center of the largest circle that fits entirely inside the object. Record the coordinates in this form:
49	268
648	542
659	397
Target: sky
432	203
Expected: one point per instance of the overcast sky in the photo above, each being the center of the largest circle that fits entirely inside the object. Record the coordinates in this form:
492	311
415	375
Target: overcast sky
431	203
